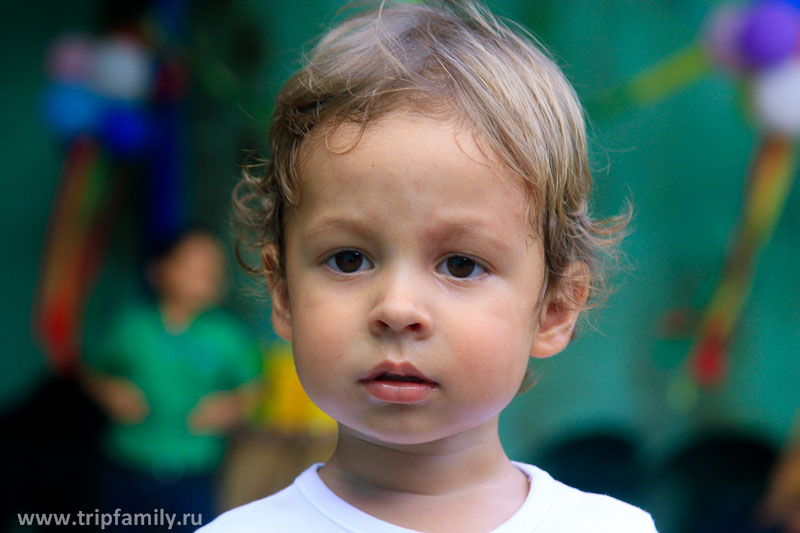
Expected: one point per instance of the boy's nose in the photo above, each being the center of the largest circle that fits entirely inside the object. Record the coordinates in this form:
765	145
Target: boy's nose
399	309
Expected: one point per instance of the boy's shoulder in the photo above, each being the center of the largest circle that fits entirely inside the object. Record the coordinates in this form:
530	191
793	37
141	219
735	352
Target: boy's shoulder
566	508
306	505
282	511
295	508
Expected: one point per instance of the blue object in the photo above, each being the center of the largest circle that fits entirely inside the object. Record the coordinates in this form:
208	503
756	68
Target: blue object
70	110
127	130
795	4
167	187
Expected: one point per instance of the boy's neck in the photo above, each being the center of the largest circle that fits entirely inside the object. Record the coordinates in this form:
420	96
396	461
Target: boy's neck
448	466
467	478
176	315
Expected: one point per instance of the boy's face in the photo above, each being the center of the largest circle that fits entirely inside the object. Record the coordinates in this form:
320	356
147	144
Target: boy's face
413	281
193	273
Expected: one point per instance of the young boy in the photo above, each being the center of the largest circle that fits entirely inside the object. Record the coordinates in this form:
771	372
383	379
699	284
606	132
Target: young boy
424	230
173	376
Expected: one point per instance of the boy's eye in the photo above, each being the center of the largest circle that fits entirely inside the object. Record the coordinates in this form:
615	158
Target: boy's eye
348	261
459	266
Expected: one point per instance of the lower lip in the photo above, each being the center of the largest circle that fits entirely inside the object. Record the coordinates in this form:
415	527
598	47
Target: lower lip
399	391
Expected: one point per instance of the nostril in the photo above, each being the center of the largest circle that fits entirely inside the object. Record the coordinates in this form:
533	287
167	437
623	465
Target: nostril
384	326
399	316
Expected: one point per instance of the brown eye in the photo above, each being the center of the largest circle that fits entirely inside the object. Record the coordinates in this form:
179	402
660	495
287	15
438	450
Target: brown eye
459	266
348	261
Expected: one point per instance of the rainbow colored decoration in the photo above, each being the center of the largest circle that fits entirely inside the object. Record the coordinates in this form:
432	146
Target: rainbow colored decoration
76	238
758	44
769	182
112	102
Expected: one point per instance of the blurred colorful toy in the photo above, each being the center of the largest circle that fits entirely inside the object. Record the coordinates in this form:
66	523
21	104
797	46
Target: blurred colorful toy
93	82
85	117
113	103
759	45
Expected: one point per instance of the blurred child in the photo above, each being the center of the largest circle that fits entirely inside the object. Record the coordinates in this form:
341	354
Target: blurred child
425	231
173	376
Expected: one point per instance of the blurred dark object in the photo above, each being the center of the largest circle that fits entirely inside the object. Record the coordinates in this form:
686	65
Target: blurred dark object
48	453
116	14
715	483
602	461
127	489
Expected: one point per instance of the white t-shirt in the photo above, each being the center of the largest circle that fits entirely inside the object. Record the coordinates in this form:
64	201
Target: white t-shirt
551	507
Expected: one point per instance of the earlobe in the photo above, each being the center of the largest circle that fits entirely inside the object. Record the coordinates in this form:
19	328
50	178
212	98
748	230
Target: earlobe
561	311
555	328
278	293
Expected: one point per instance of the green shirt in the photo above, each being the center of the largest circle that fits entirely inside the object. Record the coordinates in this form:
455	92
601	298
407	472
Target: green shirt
174	371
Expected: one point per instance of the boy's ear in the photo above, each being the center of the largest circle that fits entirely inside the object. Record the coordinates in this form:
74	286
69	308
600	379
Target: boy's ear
278	293
560	312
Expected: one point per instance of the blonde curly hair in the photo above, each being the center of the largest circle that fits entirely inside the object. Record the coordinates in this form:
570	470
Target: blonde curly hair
446	59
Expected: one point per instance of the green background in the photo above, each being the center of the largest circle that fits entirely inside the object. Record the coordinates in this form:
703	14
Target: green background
681	161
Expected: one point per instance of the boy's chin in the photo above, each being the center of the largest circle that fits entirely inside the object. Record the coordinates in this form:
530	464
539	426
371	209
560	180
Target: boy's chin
403	437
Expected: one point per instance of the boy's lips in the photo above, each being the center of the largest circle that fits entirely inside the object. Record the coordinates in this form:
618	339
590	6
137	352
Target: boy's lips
398	383
398	371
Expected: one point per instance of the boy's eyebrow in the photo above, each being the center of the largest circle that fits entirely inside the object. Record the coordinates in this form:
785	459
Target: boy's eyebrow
441	230
467	229
336	223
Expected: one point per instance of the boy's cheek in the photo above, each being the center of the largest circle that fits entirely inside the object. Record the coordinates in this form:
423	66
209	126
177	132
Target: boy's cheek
322	331
494	359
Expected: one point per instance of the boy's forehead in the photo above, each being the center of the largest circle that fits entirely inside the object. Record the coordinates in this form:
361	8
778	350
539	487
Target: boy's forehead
327	148
329	140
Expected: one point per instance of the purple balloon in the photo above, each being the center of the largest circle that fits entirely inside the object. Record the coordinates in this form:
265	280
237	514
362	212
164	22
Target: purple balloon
771	33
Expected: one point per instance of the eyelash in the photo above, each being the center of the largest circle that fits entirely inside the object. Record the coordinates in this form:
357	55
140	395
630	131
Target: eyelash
332	263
